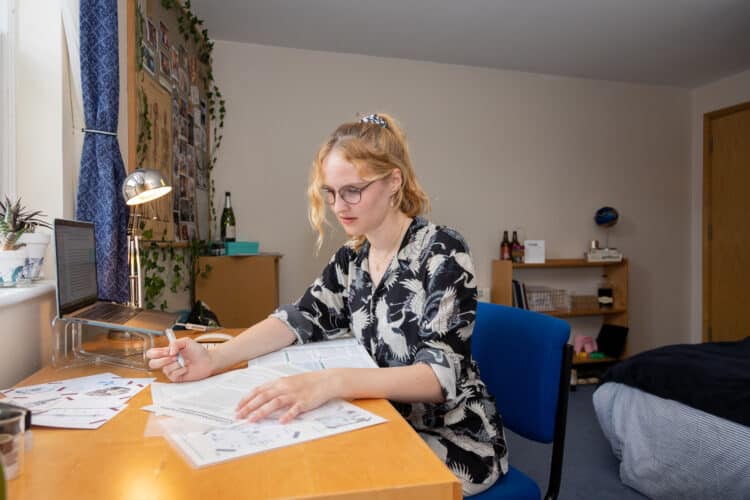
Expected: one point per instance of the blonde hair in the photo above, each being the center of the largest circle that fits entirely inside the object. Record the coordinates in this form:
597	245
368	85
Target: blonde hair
375	147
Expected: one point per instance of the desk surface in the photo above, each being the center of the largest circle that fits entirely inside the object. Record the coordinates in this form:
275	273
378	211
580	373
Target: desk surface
387	461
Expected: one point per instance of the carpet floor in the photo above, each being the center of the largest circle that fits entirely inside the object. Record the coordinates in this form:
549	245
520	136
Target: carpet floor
590	469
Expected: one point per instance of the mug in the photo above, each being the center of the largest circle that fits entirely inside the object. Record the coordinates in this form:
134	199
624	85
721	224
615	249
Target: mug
11	441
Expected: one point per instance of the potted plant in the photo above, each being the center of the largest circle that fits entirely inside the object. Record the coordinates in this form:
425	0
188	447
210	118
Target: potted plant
18	224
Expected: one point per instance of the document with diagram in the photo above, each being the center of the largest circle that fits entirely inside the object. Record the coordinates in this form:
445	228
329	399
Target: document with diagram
210	404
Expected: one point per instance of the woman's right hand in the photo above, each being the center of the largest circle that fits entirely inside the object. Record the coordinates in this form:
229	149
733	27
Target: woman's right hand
198	360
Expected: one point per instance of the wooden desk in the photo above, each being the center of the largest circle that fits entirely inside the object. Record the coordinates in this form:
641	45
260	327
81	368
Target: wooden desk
241	290
116	461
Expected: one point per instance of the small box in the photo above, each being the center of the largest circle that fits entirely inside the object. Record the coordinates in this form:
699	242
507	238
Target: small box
533	251
242	247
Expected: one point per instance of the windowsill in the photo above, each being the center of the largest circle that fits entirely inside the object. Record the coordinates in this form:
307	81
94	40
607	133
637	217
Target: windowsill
16	295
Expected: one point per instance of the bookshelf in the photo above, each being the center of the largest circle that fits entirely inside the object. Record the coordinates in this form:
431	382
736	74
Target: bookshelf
501	292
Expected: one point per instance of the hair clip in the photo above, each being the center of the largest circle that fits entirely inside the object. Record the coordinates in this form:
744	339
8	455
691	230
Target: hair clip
373	118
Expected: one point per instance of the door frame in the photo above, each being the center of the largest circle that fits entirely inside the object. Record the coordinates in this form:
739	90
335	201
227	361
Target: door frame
707	170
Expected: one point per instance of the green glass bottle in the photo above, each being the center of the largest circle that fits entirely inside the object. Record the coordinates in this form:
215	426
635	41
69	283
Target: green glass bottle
3	486
228	225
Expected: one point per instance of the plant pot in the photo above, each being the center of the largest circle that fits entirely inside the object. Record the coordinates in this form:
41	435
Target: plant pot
12	263
36	245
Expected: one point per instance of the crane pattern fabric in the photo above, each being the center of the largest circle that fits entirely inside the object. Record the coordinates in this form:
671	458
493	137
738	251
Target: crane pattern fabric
422	311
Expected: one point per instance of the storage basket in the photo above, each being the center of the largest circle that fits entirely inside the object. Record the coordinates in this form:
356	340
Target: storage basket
546	299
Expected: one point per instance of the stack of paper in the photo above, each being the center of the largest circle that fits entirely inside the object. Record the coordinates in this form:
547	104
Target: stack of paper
211	404
77	403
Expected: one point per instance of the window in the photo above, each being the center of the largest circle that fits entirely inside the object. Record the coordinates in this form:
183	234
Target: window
7	99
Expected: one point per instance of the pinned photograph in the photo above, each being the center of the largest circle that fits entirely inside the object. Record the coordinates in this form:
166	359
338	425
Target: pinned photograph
175	65
150	33
163	35
148	60
183	58
164	64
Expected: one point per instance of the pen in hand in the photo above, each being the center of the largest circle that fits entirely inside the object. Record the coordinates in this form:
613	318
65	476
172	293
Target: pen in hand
172	339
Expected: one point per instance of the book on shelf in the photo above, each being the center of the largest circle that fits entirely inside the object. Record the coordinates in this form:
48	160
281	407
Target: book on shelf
519	295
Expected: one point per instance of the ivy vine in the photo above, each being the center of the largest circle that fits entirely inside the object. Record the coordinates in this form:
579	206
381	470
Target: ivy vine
175	267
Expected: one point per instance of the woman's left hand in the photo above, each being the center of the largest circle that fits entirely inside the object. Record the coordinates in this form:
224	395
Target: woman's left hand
297	393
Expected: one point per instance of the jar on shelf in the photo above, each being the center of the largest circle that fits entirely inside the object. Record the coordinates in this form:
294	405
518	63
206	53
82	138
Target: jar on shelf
605	293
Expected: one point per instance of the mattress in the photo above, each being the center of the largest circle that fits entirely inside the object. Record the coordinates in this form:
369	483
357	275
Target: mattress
668	450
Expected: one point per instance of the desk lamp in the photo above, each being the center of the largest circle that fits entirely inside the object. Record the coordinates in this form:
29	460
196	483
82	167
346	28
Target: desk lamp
140	186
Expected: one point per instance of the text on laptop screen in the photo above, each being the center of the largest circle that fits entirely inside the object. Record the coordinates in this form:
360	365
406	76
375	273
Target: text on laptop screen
75	252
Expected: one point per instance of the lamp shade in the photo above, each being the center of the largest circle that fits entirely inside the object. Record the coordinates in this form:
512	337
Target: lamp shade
144	184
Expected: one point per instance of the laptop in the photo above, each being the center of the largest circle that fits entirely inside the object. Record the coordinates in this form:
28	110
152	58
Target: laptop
78	292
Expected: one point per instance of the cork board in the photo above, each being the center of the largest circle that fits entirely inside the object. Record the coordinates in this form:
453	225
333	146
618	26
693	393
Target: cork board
168	85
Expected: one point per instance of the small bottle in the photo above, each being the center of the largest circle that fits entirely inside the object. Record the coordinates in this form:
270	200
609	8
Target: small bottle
515	249
605	293
3	486
228	227
505	247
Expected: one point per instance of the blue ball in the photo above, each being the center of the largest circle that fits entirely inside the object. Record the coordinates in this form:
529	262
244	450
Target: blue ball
606	217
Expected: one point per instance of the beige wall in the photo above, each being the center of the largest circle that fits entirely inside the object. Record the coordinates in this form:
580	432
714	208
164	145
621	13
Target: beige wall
494	149
721	94
40	178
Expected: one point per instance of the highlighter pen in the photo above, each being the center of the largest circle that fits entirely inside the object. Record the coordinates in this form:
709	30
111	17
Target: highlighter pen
171	337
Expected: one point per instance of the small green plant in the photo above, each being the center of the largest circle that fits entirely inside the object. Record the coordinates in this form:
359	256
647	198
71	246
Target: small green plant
15	220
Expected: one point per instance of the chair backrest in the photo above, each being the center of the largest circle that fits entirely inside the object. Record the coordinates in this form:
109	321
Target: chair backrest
524	359
520	354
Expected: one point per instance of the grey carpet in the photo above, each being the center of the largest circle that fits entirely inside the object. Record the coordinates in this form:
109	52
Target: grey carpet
590	469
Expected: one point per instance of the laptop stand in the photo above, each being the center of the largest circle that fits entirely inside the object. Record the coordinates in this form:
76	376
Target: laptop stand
76	343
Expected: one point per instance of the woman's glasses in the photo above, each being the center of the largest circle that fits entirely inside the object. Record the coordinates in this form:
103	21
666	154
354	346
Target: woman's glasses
350	194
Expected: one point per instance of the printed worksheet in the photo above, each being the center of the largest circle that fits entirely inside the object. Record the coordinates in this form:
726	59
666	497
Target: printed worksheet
210	405
213	400
77	403
242	439
339	353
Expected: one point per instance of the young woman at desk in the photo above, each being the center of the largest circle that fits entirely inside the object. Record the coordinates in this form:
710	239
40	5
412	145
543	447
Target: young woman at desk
402	286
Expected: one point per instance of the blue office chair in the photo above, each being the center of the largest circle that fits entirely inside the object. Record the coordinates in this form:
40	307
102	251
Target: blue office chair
524	359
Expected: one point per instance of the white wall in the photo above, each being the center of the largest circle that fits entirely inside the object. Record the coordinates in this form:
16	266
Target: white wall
494	149
39	111
22	350
721	94
40	164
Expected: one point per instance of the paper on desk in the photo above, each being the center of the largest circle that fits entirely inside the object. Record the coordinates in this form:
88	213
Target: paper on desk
211	403
213	400
78	403
339	353
75	418
93	387
222	444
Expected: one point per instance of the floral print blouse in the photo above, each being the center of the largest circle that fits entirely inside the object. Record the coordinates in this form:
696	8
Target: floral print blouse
422	311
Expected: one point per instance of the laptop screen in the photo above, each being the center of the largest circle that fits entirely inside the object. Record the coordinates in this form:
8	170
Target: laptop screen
75	256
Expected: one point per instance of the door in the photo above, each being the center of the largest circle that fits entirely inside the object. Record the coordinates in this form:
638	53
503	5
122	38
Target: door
726	210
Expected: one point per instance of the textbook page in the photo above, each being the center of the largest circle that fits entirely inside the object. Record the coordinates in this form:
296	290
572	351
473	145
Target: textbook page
212	400
339	353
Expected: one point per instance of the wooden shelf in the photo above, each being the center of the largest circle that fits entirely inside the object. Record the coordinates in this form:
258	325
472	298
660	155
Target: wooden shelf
584	312
504	271
551	263
577	361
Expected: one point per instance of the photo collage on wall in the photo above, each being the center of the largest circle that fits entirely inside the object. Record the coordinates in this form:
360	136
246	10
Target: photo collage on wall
174	65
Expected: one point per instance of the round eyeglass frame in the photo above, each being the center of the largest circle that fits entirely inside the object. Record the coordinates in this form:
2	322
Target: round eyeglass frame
350	194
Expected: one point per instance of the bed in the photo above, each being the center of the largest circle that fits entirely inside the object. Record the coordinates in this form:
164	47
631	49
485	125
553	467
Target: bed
678	419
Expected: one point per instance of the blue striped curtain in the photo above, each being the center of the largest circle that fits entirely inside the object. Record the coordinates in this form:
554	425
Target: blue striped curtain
102	170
